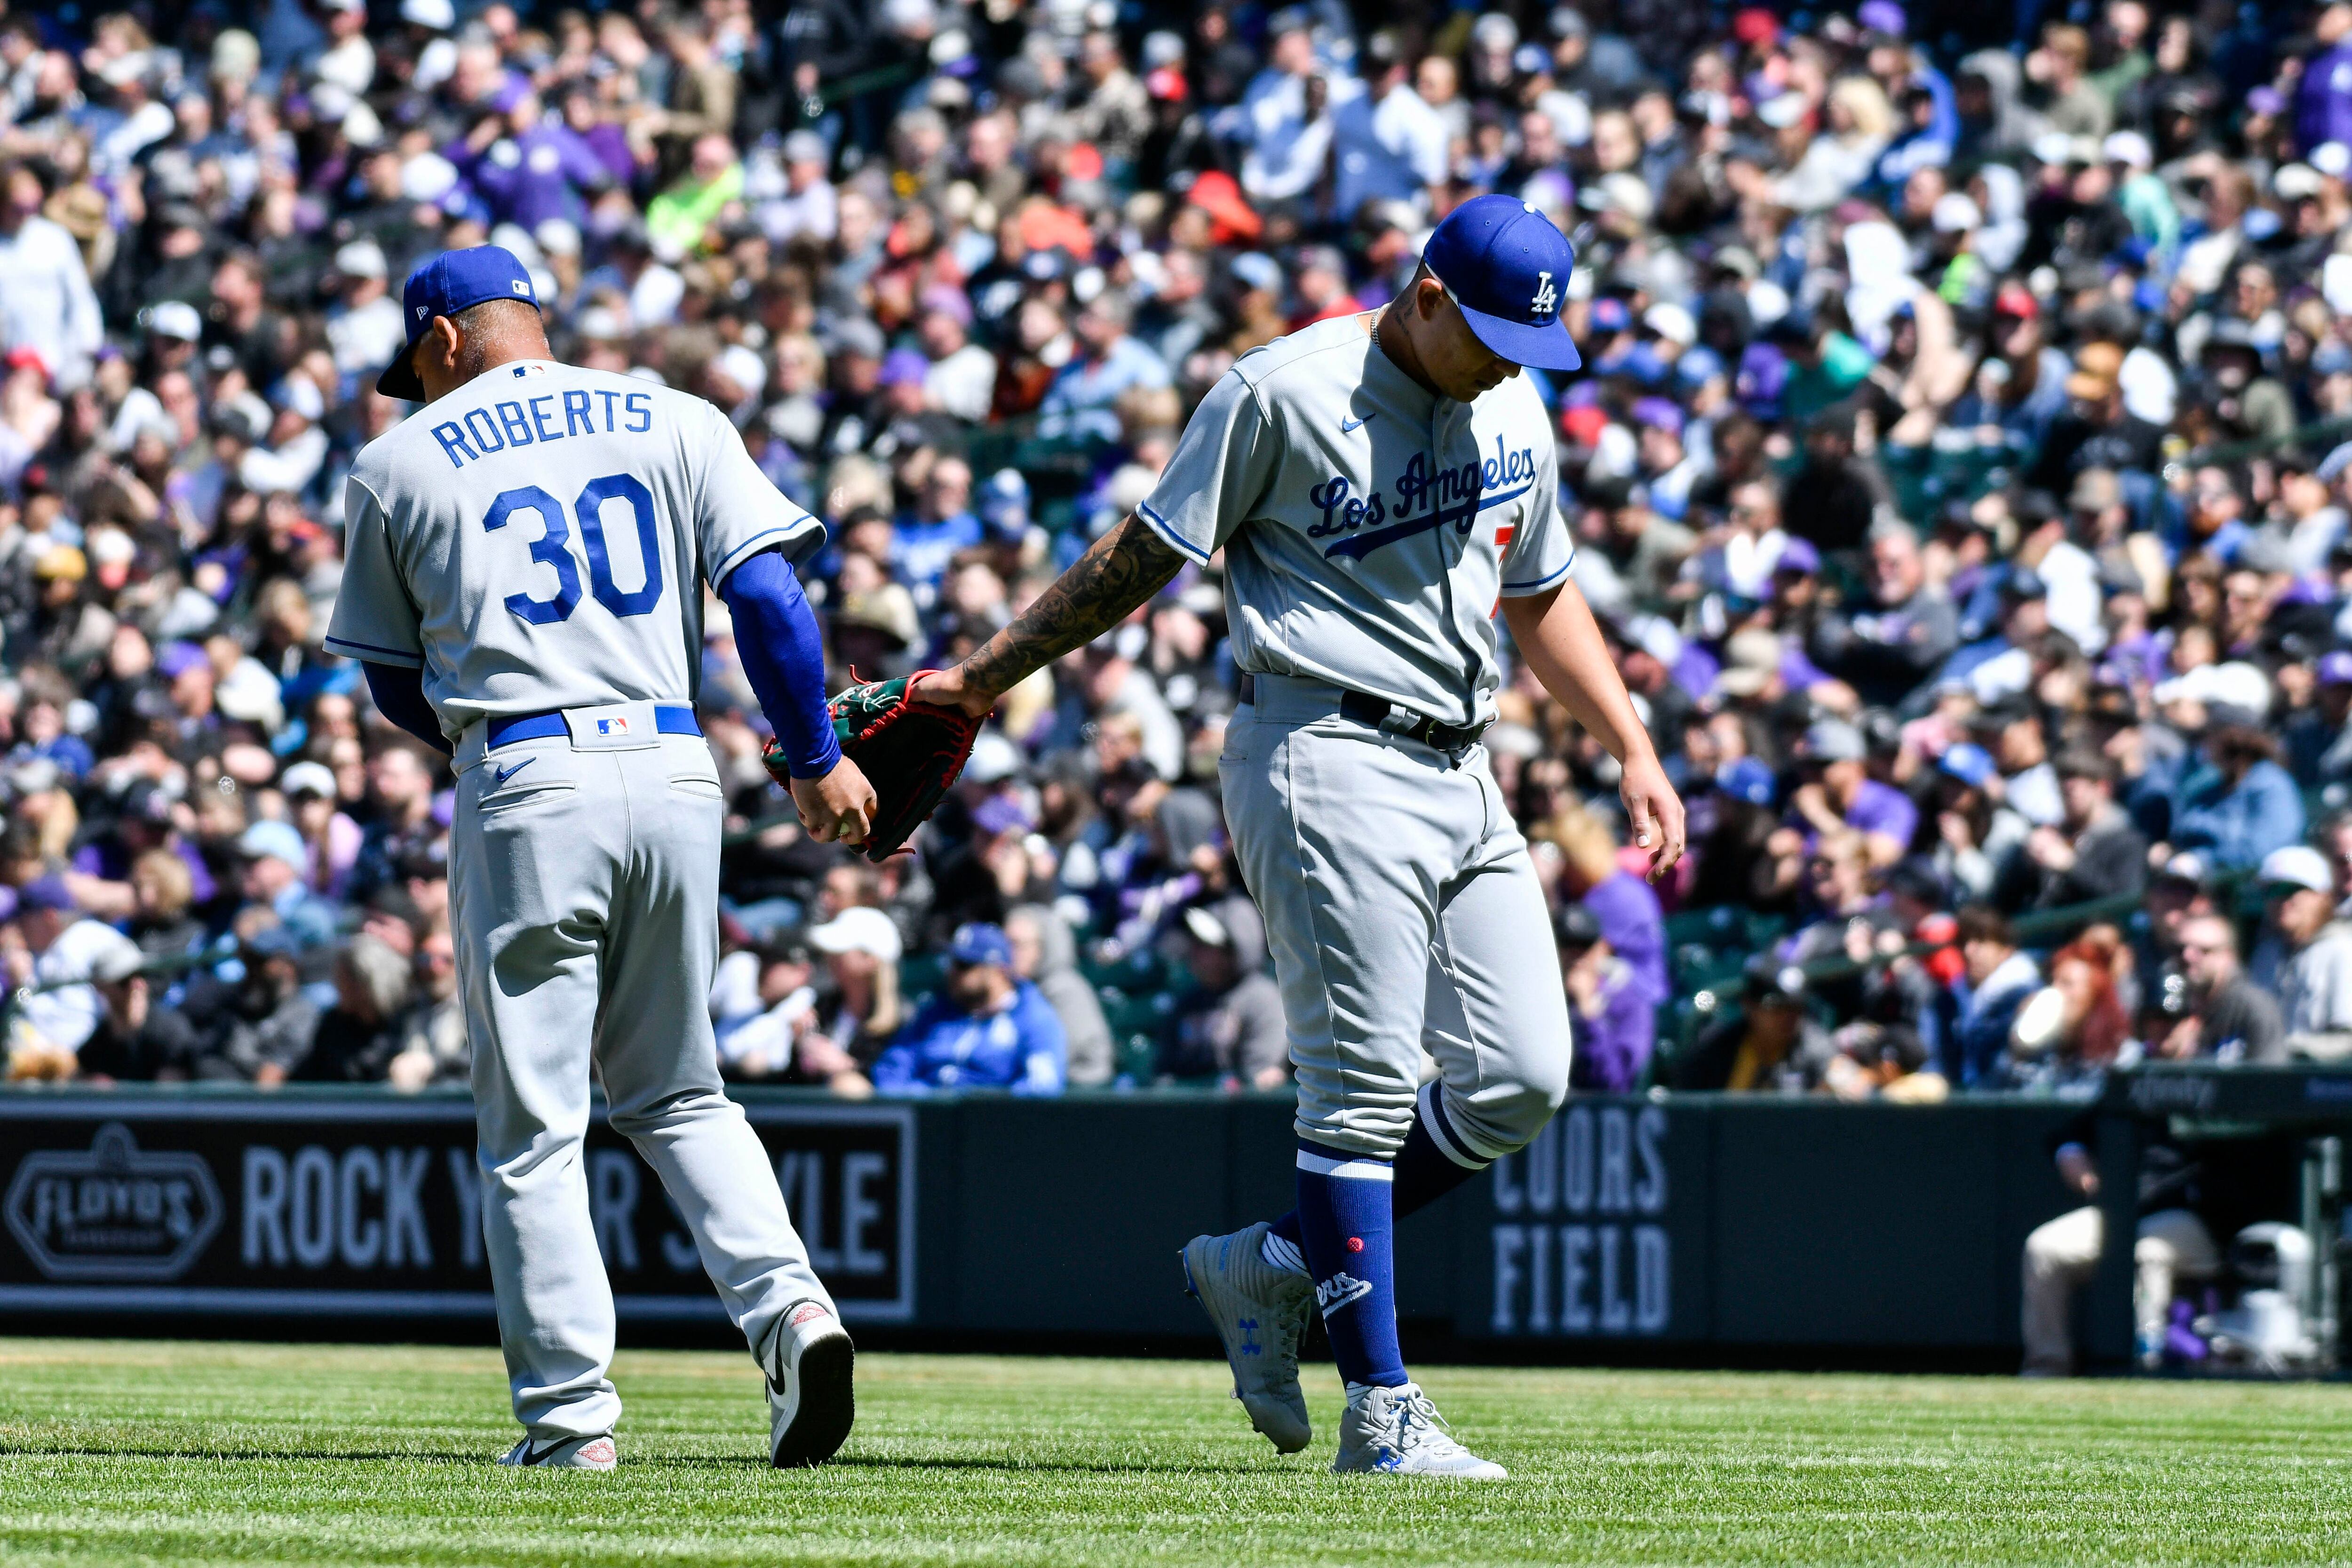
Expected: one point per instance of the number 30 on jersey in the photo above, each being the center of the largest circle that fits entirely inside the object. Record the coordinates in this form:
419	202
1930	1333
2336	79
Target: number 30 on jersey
552	547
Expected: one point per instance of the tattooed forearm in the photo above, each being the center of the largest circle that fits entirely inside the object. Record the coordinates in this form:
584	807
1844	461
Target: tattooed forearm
1125	567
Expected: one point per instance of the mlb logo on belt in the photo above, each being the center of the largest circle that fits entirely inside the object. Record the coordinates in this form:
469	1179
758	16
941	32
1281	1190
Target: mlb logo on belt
618	726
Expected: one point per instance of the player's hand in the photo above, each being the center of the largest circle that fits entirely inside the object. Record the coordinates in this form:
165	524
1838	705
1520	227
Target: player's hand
1656	813
948	689
838	807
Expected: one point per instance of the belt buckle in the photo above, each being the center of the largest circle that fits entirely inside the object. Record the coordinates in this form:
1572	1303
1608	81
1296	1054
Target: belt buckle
1423	729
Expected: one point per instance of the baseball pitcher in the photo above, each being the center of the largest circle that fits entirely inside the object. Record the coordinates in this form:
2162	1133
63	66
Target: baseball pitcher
524	562
1378	484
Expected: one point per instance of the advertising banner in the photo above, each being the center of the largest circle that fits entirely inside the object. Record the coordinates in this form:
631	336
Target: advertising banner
343	1207
1597	1230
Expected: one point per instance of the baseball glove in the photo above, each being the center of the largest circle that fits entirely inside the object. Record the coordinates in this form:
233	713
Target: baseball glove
911	752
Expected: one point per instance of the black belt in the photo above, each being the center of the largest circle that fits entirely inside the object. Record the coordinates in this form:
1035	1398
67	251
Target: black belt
1394	718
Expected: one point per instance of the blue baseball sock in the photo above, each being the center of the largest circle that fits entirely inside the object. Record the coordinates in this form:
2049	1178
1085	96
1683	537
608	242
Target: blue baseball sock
1424	1172
1348	1234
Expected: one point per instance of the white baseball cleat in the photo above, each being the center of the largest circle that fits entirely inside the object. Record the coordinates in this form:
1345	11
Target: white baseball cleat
811	1396
596	1453
1260	1311
1398	1432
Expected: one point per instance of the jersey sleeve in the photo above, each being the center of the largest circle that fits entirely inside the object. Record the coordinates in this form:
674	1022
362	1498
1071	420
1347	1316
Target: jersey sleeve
1543	547
375	619
1220	472
741	510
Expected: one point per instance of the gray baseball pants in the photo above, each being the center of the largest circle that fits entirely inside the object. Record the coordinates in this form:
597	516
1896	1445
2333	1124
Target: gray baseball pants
585	903
1403	915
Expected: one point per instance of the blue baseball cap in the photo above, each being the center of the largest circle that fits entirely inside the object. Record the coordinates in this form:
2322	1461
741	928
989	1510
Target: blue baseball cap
979	942
1969	762
1747	779
452	281
1508	270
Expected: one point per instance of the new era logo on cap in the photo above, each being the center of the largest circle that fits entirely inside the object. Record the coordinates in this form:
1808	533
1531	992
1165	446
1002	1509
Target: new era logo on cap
453	282
1505	264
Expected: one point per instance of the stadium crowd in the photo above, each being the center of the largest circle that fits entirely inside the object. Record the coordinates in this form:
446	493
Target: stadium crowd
1954	471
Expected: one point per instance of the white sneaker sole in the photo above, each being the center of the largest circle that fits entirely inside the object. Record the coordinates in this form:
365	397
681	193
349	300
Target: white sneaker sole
569	1454
1274	1420
811	1415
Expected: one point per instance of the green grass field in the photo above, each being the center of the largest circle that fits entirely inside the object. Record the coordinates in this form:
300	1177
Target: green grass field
155	1452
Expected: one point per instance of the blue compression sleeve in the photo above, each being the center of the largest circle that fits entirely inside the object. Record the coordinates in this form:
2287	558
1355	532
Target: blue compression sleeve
399	693
784	657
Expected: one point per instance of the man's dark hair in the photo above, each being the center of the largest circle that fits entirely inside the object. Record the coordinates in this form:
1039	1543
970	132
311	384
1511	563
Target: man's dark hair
1982	922
2085	762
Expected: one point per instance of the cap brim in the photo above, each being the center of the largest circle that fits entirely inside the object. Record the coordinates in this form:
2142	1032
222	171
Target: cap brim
1545	348
399	377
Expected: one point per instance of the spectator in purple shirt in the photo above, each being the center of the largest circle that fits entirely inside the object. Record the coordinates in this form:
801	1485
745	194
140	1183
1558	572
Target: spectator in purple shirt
2323	102
526	166
1846	796
1616	1025
1626	906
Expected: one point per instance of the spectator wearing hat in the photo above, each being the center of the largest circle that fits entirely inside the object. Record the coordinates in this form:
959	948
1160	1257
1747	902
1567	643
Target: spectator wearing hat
331	837
862	1008
808	204
2098	431
1769	1044
2318	738
133	1041
1846	798
49	307
1668	469
1616	1025
1229	1028
2228	1019
256	1028
2308	952
277	869
987	1028
1832	499
57	949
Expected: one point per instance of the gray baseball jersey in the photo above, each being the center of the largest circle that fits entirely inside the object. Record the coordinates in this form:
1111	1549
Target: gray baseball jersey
1369	526
537	540
534	539
1369	530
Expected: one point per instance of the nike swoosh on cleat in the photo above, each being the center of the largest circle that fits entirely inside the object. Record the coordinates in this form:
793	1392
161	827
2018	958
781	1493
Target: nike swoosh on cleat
1349	427
506	773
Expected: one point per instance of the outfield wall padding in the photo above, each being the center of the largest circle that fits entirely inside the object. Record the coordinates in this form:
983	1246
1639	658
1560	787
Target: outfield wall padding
1689	1221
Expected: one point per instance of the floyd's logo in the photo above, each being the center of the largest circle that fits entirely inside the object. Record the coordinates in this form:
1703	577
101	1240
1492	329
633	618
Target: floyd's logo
114	1212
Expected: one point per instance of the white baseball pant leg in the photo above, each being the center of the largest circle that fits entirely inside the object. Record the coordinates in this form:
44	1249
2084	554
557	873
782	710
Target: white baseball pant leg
584	902
1403	915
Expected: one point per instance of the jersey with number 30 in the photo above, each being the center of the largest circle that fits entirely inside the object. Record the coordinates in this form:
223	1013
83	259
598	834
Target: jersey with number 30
538	539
